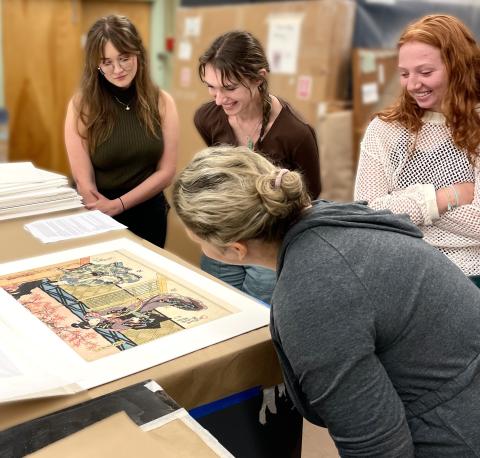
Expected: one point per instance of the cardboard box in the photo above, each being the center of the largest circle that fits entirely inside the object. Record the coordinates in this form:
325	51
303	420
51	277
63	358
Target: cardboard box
375	86
336	155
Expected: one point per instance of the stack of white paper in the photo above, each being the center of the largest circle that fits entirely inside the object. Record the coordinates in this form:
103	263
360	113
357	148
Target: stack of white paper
26	190
73	226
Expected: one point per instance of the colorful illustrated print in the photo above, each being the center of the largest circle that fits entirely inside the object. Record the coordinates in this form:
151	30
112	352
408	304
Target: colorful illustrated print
103	304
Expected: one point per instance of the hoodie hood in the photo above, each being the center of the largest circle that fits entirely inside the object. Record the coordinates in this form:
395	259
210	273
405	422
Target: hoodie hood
355	214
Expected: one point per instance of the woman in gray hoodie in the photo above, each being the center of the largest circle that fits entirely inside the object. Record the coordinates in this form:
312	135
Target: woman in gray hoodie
377	332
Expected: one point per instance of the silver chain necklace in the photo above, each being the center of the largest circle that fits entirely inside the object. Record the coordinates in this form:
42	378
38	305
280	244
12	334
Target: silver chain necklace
126	105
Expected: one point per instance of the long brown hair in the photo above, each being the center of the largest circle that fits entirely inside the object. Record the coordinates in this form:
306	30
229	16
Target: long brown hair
238	55
461	57
95	107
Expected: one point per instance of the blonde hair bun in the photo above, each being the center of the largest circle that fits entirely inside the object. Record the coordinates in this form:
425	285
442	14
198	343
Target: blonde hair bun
227	194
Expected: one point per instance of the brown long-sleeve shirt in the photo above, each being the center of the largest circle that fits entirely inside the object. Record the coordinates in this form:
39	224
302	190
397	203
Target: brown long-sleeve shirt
290	143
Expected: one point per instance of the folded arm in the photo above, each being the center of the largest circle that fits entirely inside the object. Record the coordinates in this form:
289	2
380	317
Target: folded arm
421	201
83	172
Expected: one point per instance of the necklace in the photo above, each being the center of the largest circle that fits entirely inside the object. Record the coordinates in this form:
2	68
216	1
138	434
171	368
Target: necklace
251	136
126	105
250	144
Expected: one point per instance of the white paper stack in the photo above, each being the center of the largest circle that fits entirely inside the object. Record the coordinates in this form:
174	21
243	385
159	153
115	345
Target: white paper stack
26	190
73	226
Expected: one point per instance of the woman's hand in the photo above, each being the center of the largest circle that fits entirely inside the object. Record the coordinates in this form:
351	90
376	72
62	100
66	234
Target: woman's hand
109	207
464	192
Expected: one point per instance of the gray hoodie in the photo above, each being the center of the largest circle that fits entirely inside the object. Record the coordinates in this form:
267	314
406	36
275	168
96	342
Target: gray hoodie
378	334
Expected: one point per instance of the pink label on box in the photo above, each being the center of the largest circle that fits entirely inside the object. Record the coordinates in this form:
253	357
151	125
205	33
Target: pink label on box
304	87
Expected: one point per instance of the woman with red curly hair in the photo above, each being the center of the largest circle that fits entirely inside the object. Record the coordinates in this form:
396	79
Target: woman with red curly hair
420	156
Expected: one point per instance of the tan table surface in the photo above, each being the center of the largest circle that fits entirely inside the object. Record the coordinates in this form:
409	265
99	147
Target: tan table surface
200	377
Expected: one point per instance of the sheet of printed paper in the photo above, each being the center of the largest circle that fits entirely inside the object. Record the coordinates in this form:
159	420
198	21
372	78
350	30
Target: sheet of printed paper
73	226
283	42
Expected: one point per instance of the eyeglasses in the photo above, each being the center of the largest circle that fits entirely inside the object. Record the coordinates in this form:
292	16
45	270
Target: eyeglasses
125	62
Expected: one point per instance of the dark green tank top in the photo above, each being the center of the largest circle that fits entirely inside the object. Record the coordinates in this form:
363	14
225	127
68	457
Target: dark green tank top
128	156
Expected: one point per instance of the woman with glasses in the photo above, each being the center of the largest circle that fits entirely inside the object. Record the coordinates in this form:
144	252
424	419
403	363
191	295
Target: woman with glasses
121	131
243	113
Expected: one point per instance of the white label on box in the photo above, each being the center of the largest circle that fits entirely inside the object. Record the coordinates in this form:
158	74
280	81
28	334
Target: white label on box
184	50
193	26
283	42
367	62
369	93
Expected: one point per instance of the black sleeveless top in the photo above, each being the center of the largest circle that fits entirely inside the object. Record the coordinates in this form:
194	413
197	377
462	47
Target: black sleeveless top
130	154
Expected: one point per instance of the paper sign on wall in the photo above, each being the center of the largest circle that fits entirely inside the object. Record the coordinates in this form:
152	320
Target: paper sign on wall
192	26
367	61
304	87
369	93
283	42
184	50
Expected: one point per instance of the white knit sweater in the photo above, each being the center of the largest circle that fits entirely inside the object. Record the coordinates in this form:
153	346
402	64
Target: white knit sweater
389	177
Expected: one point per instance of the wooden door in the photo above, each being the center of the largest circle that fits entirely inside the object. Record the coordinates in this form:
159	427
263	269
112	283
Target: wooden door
137	12
42	61
43	58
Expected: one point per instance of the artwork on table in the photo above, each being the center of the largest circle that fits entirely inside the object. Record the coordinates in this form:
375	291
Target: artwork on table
109	302
100	312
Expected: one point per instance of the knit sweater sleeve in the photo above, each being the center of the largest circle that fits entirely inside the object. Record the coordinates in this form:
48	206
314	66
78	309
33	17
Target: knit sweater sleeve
374	179
462	222
325	337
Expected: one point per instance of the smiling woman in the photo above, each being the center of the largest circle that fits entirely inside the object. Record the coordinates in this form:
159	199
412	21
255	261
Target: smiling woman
420	156
423	74
243	113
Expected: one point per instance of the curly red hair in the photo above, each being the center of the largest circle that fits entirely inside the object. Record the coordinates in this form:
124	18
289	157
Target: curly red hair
461	57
